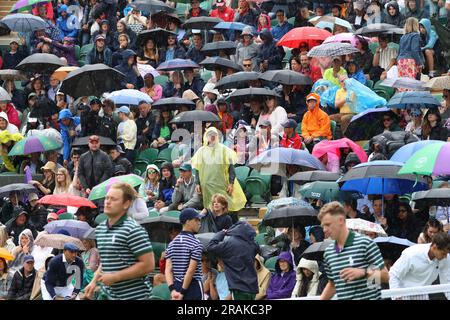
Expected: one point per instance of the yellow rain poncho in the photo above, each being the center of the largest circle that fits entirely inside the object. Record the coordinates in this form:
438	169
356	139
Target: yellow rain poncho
212	164
5	137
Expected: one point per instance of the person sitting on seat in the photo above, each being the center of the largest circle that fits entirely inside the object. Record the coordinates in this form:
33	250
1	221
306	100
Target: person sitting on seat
316	124
290	138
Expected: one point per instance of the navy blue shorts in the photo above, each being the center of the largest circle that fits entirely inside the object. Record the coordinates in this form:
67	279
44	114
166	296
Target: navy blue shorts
194	292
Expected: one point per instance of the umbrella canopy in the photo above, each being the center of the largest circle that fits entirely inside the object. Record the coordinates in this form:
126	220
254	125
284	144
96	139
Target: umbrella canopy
173	103
100	190
205	238
66	200
158	35
404	83
286	216
248	94
90	234
4	95
158	225
295	37
96	79
330	21
215	48
334	146
287	77
83	142
376	29
392	247
4	253
24	22
346	37
76	228
212	63
63	72
326	191
33	144
45	63
237	80
439	83
317	175
195	115
367	124
177	64
44	107
129	96
332	49
274	161
316	250
202	23
22	188
152	6
413	99
365	226
57	241
11	74
408	150
432	197
381	177
26	5
230	26
430	160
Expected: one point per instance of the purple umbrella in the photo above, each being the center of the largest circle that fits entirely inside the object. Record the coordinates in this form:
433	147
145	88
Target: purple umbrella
76	228
177	64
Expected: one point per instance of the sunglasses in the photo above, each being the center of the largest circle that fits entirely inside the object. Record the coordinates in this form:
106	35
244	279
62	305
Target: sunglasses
387	119
151	171
247	65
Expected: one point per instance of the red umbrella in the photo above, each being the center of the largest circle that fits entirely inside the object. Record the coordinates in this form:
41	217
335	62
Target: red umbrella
66	200
311	35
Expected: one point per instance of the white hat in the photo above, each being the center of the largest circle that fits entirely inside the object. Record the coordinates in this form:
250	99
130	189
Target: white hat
210	87
4	116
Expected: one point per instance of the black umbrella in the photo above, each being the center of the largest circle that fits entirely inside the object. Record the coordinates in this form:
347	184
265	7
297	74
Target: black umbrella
195	115
432	197
237	80
367	124
392	247
23	188
309	176
83	141
212	63
376	29
158	35
44	63
316	250
95	79
215	48
24	22
152	6
245	95
173	102
287	77
158	227
291	215
44	108
202	23
162	18
205	238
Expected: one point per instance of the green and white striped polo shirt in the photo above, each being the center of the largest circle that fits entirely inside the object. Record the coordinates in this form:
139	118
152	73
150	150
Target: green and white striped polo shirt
359	252
119	247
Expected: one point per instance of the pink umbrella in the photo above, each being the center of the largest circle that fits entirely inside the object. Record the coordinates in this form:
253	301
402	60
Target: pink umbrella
334	147
346	37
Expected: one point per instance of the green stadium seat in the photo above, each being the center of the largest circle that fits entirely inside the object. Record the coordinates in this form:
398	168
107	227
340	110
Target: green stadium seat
271	263
369	83
137	172
100	218
161	80
164	155
242	173
149	155
177	172
161	292
257	187
206	75
85	50
259	239
141	165
158	248
66	216
77	52
172	213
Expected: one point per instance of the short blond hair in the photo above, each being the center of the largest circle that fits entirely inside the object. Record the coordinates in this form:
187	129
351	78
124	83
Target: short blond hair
333	208
411	25
129	194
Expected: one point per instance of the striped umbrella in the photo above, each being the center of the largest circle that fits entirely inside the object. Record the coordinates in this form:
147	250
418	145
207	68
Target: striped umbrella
34	144
332	49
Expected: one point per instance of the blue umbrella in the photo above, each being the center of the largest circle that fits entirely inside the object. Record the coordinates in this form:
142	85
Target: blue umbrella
274	161
24	22
177	64
413	99
230	26
129	97
406	152
77	229
367	124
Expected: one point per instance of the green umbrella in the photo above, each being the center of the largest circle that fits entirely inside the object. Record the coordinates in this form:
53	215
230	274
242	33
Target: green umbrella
34	144
430	160
100	190
324	190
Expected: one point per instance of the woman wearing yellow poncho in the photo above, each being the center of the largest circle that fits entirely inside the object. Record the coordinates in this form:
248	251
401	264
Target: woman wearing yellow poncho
213	162
6	140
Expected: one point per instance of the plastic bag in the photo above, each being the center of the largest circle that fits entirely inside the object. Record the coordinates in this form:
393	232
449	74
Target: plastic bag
328	97
360	98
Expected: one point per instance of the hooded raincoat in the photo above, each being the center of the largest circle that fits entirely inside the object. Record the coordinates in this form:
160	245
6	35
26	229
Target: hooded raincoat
431	36
313	283
65	131
282	283
130	75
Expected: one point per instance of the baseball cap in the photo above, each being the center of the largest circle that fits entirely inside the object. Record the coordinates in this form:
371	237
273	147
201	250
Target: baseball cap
31	95
119	149
95	100
124	109
311	96
14	41
189	214
99	37
52	215
28	258
265	123
185	167
220	3
289	123
71	247
32	196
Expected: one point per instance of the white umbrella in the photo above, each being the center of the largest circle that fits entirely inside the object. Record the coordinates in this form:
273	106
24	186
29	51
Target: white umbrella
365	226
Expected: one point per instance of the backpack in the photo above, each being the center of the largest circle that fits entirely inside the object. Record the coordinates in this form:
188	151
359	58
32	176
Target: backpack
392	141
